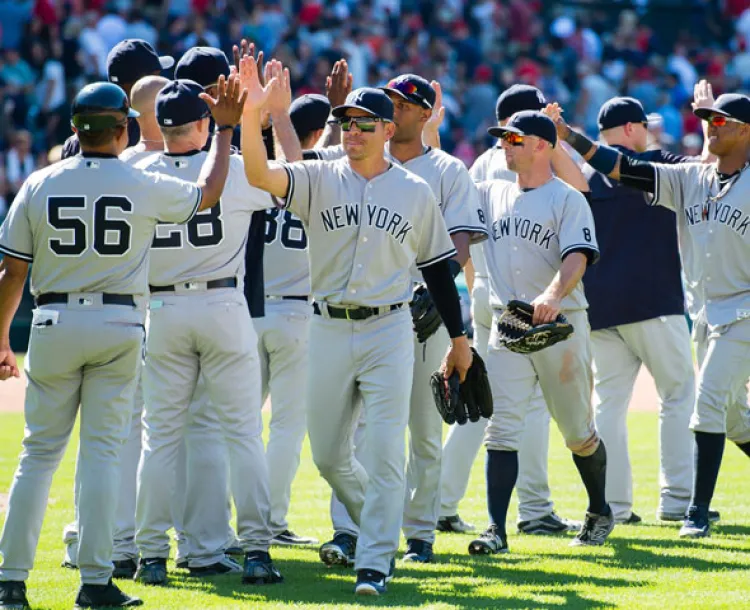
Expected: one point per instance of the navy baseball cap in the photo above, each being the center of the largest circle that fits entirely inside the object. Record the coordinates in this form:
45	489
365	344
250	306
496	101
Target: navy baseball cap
517	98
528	123
203	65
373	101
620	111
134	58
308	113
732	105
412	88
178	103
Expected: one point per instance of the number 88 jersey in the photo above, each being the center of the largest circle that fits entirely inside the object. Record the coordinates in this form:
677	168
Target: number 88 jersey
212	245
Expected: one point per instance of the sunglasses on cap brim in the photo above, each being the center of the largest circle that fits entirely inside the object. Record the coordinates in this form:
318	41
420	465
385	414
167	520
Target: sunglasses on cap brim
408	90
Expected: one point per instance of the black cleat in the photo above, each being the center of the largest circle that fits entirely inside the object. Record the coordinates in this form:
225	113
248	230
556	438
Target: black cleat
152	571
225	566
104	596
418	551
13	595
259	569
125	568
339	551
489	543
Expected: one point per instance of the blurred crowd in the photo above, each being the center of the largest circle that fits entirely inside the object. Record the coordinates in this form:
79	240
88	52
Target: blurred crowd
579	53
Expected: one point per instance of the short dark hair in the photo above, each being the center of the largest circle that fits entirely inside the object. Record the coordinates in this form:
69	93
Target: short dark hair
98	138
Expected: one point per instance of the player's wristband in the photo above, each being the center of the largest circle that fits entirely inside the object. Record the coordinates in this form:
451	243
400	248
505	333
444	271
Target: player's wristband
220	128
455	267
604	160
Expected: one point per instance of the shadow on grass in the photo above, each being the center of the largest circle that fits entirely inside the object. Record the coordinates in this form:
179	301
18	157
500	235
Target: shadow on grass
311	584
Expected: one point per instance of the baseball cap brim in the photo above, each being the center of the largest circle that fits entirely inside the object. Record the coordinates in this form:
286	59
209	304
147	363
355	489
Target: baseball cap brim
412	100
166	61
340	111
705	113
498	131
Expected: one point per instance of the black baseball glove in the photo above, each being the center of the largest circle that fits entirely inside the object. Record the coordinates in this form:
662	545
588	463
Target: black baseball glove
424	314
518	333
461	402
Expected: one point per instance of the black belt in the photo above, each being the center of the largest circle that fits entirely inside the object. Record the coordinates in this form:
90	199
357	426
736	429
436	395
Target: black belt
107	299
356	313
288	298
227	282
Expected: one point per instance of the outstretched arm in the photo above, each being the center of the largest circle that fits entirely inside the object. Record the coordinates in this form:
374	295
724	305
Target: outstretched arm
260	174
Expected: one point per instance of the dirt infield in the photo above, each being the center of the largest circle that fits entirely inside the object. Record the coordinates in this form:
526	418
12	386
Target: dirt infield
644	396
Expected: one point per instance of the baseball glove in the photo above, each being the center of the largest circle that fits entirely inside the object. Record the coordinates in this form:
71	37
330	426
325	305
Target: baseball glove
519	335
461	402
424	314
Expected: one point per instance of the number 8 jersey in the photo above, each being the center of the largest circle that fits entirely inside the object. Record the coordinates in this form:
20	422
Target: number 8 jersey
87	224
212	245
530	232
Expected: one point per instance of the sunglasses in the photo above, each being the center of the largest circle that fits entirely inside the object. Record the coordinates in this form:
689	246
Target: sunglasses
366	124
718	120
408	89
513	139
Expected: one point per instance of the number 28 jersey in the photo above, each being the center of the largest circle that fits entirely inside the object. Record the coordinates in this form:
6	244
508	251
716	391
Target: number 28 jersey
87	223
530	233
212	245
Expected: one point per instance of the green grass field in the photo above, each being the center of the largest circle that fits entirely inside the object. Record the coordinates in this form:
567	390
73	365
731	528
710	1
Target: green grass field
644	566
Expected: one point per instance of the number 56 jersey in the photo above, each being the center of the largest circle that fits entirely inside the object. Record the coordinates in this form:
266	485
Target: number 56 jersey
530	232
212	245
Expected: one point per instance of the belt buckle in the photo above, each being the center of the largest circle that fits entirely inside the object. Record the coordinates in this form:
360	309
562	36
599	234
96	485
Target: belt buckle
85	301
191	285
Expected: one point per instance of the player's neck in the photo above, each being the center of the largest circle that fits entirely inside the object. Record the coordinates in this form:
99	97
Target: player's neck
406	151
534	177
732	162
371	167
151	138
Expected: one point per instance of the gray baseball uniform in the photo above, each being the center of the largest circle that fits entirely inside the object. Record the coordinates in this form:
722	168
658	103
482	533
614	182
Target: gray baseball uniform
713	228
364	236
282	346
90	253
463	442
199	323
459	204
530	233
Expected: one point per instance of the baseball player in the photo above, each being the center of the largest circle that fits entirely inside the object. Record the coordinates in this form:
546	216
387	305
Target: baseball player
87	224
127	62
536	514
636	312
713	229
367	221
283	332
199	324
413	99
541	240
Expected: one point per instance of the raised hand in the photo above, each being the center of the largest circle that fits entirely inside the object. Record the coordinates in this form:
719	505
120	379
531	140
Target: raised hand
281	94
256	94
247	49
438	110
555	112
227	106
339	83
703	95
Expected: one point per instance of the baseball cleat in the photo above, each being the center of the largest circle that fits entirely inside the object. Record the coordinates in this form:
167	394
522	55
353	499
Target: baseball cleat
289	538
152	571
489	543
549	525
696	524
104	596
227	565
13	595
339	551
713	516
181	563
454	524
631	519
370	582
259	569
125	568
594	530
418	551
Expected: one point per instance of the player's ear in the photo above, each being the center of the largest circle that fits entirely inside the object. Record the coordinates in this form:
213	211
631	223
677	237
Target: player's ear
389	130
